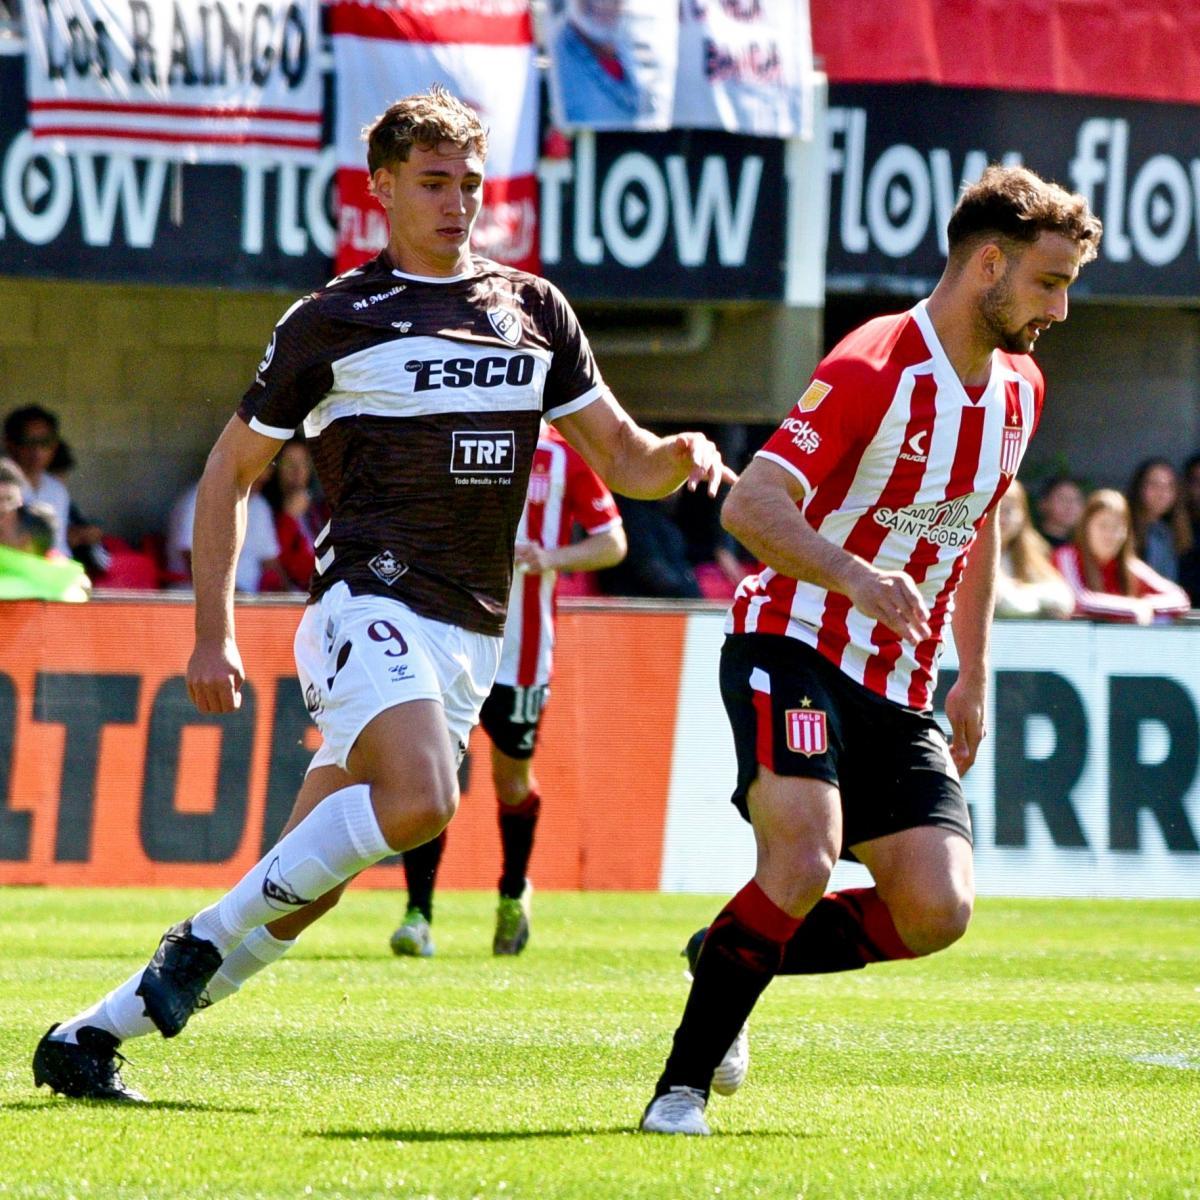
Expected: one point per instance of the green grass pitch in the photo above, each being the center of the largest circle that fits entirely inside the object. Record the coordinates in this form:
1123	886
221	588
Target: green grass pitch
1055	1052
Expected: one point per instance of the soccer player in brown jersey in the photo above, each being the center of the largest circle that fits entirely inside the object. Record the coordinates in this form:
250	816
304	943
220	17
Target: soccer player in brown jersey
871	507
420	379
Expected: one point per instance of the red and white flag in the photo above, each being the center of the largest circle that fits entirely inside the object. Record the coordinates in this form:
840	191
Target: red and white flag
199	82
480	50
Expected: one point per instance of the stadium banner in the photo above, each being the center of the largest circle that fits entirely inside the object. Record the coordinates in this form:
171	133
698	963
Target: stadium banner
122	217
483	52
898	156
1097	48
670	216
648	66
1088	783
213	82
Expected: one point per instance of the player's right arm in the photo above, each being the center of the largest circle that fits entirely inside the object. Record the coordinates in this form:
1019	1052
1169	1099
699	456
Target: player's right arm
214	673
763	512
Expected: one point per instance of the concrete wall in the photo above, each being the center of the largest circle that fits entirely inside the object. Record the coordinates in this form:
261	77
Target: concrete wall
142	379
1123	384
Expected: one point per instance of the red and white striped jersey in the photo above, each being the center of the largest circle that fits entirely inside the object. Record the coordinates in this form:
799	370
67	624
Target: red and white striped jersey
900	465
563	492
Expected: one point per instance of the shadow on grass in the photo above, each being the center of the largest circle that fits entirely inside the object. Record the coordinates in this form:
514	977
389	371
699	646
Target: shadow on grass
521	1135
48	1102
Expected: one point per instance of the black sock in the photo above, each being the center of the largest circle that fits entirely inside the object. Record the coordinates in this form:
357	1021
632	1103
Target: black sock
420	873
518	822
844	931
740	956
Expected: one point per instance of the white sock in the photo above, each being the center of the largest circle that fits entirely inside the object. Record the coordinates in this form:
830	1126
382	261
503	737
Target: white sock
258	949
121	1013
339	838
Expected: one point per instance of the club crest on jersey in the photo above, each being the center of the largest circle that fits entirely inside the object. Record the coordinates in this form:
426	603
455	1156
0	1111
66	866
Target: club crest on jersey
539	487
807	732
1010	450
813	395
506	323
388	567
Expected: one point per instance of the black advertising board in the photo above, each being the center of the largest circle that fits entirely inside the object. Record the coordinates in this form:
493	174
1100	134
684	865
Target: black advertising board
683	215
897	156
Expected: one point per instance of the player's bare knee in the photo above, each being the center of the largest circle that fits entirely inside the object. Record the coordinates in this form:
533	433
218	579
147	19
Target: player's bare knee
935	923
511	792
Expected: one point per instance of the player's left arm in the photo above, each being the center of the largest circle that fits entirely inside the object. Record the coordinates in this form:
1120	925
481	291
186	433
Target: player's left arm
971	625
636	462
593	552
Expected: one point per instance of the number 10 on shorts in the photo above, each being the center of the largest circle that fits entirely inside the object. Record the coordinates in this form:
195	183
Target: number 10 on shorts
806	731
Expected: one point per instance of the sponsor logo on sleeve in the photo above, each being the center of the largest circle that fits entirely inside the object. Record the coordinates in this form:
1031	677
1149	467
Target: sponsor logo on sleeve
805	438
270	354
813	395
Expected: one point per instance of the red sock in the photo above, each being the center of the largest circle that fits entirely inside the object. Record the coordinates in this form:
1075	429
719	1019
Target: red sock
844	931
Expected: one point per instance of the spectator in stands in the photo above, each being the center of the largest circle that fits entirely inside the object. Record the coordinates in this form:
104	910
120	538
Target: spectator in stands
1060	505
1162	533
1109	581
259	556
85	537
31	434
1028	584
12	487
657	563
1189	563
300	515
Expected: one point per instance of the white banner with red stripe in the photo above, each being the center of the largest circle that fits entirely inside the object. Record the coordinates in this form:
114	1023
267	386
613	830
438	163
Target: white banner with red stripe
213	82
483	52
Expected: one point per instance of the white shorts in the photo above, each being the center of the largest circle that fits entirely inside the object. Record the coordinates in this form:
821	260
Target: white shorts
359	655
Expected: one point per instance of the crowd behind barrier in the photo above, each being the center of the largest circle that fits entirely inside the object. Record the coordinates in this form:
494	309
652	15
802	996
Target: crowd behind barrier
1067	549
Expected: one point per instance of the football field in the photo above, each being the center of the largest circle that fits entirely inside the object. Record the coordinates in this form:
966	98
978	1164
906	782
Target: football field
1055	1052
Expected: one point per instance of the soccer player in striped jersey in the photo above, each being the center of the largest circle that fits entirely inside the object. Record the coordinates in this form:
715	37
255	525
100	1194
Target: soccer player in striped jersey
564	492
420	379
873	508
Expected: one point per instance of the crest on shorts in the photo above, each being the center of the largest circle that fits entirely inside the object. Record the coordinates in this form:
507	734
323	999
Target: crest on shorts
506	323
813	395
1010	449
807	732
388	567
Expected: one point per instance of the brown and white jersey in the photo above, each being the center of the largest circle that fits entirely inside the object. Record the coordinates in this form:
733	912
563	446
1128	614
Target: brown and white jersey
421	399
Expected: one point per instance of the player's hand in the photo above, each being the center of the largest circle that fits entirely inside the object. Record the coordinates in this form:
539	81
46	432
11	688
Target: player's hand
964	710
891	597
215	677
705	462
532	558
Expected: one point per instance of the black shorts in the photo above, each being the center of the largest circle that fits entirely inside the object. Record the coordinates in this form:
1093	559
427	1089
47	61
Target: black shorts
797	714
510	717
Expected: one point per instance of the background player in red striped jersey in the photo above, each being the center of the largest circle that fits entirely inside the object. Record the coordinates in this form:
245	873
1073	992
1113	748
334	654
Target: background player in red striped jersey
420	379
563	492
873	507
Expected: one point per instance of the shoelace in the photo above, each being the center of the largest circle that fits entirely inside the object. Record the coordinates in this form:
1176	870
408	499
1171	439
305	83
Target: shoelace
189	949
